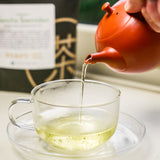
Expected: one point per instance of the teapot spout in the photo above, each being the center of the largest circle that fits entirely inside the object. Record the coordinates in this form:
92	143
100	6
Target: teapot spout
109	56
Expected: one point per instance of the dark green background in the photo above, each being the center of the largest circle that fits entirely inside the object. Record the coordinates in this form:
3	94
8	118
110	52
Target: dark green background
90	10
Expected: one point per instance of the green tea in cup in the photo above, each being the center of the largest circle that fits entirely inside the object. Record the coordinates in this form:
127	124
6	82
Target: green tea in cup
64	123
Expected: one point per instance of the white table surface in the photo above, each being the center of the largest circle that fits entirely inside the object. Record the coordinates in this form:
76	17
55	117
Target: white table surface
142	104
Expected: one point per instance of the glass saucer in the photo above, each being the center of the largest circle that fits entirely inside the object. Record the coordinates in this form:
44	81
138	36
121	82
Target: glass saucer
128	135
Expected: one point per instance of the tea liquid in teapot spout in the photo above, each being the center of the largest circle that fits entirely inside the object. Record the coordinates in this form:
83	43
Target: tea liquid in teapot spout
125	42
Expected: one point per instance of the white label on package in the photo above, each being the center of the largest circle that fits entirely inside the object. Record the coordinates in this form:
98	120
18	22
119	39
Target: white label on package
27	36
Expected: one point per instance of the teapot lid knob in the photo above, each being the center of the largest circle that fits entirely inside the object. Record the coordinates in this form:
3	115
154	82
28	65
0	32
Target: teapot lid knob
106	7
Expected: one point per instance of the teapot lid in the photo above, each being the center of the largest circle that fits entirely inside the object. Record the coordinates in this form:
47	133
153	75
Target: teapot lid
113	21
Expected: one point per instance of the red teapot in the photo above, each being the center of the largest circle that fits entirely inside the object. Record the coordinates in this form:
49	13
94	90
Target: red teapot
125	42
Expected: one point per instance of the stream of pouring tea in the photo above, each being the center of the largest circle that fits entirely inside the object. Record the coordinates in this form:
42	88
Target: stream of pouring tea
83	75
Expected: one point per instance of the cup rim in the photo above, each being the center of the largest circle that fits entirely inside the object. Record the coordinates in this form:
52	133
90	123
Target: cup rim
35	89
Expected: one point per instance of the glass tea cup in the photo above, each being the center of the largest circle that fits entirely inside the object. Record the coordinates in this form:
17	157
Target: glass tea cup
65	121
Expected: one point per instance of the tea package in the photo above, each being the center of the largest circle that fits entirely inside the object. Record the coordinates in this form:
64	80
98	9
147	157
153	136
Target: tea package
37	42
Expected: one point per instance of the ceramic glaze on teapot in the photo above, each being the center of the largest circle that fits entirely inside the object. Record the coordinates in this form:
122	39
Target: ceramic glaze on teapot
125	42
